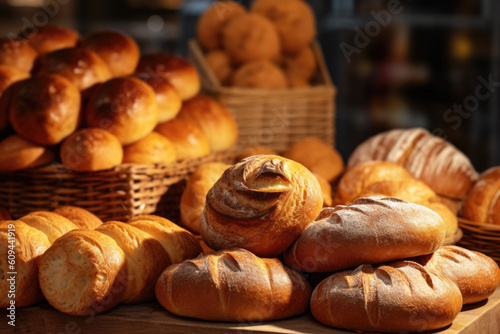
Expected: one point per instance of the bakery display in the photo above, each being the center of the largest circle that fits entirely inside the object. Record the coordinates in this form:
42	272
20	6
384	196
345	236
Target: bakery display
481	203
17	54
154	148
83	219
17	153
50	38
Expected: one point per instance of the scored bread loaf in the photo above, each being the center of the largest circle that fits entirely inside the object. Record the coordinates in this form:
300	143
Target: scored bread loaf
233	285
396	298
84	219
371	230
482	203
89	272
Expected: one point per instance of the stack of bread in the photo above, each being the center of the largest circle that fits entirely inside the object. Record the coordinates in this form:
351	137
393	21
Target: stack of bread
269	46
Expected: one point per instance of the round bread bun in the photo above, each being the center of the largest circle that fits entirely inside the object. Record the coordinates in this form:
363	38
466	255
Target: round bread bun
17	153
4	214
17	54
81	66
169	101
119	51
9	75
260	74
45	109
250	37
188	139
294	20
50	38
211	22
255	150
220	64
302	64
179	72
295	81
126	107
90	150
153	148
213	119
84	219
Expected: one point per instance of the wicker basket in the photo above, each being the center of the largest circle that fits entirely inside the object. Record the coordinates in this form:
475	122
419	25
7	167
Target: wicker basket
484	238
279	117
121	193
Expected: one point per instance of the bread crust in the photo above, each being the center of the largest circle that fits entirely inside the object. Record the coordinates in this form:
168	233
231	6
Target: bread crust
84	219
481	204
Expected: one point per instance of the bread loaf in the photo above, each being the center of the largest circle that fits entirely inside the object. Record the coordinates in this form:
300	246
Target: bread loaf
402	297
482	203
233	285
17	54
154	148
49	38
371	230
83	219
17	153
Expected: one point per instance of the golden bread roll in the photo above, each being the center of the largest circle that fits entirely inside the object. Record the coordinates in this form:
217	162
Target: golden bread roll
188	139
296	81
84	219
250	37
237	285
398	298
371	230
449	218
4	214
482	203
49	38
45	109
294	21
262	204
259	74
17	153
302	64
194	195
179	72
89	272
216	122
255	150
326	190
453	204
90	150
119	51
10	75
154	148
220	64
212	21
17	54
126	107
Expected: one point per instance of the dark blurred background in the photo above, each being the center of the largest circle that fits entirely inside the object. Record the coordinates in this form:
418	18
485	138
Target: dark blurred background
434	64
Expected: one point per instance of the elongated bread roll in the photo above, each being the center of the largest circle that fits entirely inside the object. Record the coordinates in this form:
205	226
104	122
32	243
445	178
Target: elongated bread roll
84	219
482	203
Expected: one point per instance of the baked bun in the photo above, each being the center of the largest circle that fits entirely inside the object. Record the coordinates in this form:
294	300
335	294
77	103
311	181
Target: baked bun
326	190
119	51
45	109
50	38
179	72
84	219
371	230
188	139
4	214
81	66
154	148
302	64
220	64
294	21
17	153
211	22
449	218
216	122
236	285
402	297
296	81
482	203
90	150
17	54
126	107
259	74
194	195
10	75
262	204
250	37
255	150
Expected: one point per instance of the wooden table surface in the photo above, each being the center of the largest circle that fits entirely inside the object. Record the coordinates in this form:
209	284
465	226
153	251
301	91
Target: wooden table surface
483	318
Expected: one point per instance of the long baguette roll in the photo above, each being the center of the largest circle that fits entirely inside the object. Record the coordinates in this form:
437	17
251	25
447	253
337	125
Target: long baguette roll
89	272
371	230
233	285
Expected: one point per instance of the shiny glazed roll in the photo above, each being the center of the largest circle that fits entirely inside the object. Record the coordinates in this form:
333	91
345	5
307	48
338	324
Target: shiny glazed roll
17	54
50	38
10	75
17	153
154	148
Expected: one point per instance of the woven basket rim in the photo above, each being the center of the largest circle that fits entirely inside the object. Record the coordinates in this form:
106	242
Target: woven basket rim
489	227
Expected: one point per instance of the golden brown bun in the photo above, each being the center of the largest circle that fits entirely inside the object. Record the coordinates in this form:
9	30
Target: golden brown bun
188	139
259	74
90	150
482	204
17	153
261	204
116	263
249	37
84	219
296	81
167	97
476	275
402	297
194	195
318	157
216	122
371	230
236	285
4	214
45	109
302	64
326	190
294	21
119	51
179	72
220	64
9	75
126	107
17	54
255	150
154	148
212	21
50	38
449	218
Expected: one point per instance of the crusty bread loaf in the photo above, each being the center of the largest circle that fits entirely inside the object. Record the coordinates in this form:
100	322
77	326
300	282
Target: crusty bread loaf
371	230
261	204
154	148
482	203
233	285
17	54
84	219
4	214
49	38
402	297
17	153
